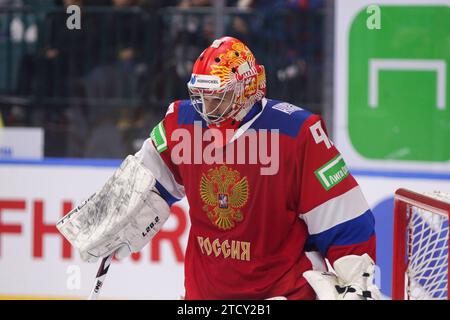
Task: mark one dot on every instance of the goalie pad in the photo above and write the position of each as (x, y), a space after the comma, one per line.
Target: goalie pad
(352, 280)
(122, 217)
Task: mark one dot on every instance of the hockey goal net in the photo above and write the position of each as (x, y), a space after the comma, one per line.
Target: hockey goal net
(421, 252)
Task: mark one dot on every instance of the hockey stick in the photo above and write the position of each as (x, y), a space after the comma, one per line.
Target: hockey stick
(101, 275)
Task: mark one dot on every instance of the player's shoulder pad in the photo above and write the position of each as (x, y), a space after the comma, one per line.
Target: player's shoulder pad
(182, 112)
(284, 116)
(178, 113)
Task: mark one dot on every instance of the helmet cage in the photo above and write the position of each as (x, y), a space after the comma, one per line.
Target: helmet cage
(198, 97)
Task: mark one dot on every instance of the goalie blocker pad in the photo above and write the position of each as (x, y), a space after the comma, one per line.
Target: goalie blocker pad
(125, 213)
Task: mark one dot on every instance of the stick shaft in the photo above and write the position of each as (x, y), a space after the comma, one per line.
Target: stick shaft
(100, 278)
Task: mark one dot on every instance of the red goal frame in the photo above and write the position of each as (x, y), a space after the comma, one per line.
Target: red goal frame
(404, 200)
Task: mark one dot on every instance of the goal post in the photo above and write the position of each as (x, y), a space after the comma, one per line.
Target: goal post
(420, 249)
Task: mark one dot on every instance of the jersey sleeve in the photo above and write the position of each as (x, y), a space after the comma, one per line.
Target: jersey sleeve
(331, 202)
(155, 155)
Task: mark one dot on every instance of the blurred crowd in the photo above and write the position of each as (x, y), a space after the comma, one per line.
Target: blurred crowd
(98, 91)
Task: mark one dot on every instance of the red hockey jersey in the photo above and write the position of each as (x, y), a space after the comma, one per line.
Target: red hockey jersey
(278, 189)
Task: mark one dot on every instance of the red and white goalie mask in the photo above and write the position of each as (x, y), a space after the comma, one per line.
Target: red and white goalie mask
(226, 81)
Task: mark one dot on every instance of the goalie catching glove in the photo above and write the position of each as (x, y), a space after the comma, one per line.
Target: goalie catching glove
(353, 280)
(122, 217)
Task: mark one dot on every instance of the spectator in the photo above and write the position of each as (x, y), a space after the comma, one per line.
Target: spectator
(53, 73)
(124, 53)
(67, 55)
(186, 34)
(122, 76)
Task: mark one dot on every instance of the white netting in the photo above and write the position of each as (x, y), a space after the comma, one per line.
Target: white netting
(427, 250)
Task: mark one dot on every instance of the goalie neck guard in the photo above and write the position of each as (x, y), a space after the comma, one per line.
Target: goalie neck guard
(227, 77)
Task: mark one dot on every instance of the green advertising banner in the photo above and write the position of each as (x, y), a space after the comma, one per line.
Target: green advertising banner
(398, 82)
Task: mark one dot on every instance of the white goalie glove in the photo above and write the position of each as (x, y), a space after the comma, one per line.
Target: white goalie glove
(353, 280)
(122, 217)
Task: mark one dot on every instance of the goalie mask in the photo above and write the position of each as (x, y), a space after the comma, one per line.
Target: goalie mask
(226, 81)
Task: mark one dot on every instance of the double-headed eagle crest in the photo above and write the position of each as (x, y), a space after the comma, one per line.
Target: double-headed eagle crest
(224, 192)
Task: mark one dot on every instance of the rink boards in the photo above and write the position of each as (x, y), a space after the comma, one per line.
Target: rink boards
(35, 262)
